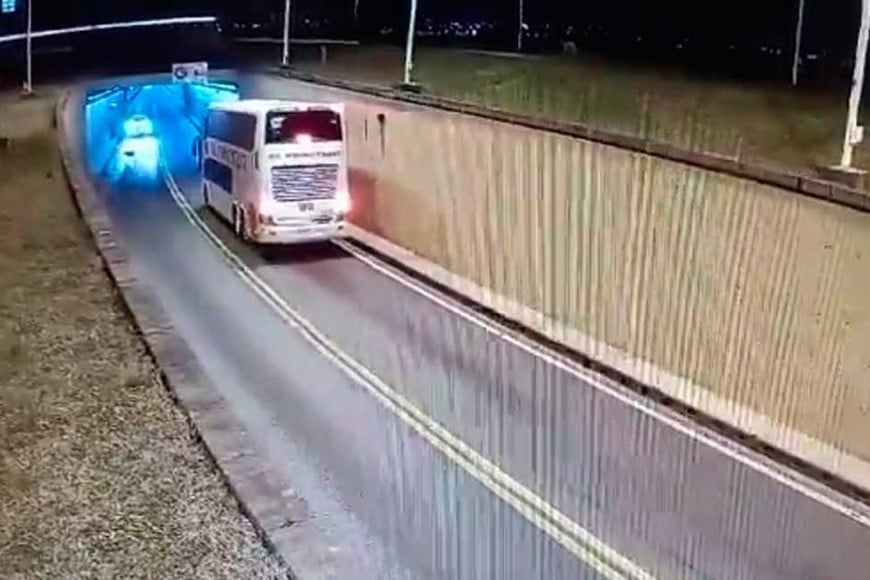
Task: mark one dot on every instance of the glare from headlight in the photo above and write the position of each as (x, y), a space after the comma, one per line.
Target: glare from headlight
(142, 153)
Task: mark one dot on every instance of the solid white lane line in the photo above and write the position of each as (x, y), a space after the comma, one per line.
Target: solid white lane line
(648, 407)
(593, 551)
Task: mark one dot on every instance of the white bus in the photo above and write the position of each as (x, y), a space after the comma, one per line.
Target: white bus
(276, 170)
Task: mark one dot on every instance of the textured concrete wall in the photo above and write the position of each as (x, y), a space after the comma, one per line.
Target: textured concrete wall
(760, 296)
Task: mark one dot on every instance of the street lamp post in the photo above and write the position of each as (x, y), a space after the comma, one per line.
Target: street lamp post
(409, 45)
(853, 132)
(520, 28)
(285, 51)
(28, 82)
(798, 34)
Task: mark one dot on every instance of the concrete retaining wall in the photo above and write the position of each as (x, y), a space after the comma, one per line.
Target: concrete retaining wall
(754, 294)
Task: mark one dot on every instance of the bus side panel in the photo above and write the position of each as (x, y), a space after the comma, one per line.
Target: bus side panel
(232, 139)
(219, 179)
(216, 176)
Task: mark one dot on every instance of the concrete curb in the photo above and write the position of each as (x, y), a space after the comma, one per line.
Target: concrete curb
(792, 182)
(264, 496)
(821, 465)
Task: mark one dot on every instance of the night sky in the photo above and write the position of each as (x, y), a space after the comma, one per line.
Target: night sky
(640, 26)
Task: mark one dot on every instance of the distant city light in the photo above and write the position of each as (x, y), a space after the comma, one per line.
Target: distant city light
(8, 6)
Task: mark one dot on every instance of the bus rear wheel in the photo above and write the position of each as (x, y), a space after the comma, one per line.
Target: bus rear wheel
(243, 225)
(234, 214)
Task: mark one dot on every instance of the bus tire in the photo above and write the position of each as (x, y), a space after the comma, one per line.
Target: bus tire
(243, 226)
(205, 200)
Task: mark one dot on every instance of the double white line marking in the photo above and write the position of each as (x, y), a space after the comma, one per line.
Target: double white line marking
(593, 551)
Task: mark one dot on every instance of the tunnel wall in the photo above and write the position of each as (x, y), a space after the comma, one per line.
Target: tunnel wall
(195, 104)
(745, 301)
(197, 98)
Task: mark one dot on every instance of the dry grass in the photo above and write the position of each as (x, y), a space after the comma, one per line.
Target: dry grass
(100, 475)
(755, 122)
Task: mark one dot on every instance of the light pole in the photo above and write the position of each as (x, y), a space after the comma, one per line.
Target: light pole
(28, 83)
(520, 28)
(285, 51)
(409, 46)
(853, 133)
(798, 34)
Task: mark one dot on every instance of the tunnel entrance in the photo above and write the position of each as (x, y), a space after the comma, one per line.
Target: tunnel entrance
(132, 132)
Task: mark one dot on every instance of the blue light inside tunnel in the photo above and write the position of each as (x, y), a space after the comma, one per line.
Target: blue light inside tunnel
(132, 131)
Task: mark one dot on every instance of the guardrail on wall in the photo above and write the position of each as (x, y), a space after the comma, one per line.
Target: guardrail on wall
(801, 184)
(314, 41)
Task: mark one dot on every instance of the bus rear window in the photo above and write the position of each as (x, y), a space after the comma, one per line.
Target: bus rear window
(303, 126)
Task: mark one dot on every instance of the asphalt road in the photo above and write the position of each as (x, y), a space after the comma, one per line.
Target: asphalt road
(395, 506)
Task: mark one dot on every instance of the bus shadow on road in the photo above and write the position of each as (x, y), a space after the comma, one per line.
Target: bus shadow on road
(299, 253)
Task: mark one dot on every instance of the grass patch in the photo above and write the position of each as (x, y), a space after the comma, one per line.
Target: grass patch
(100, 475)
(754, 122)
